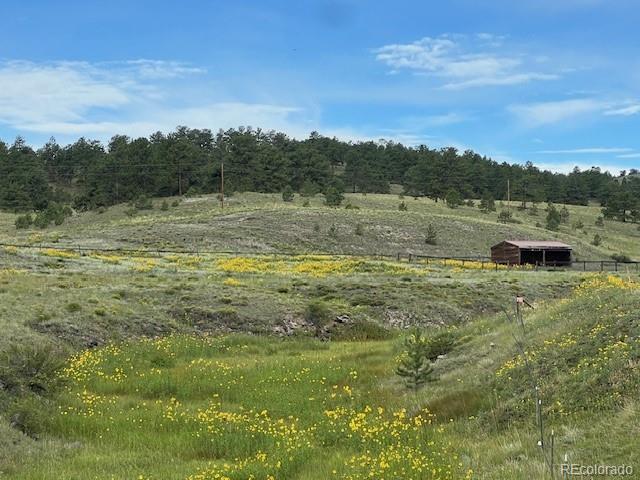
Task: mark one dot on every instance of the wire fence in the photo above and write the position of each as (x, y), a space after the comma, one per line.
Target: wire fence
(473, 261)
(486, 263)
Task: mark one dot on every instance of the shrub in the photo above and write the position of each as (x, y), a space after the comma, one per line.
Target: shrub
(333, 197)
(533, 210)
(73, 307)
(554, 218)
(600, 221)
(350, 206)
(41, 221)
(505, 216)
(453, 198)
(31, 367)
(317, 314)
(564, 214)
(621, 257)
(415, 367)
(316, 227)
(333, 231)
(175, 203)
(439, 344)
(306, 203)
(359, 230)
(578, 225)
(143, 203)
(402, 207)
(431, 235)
(164, 206)
(360, 331)
(597, 240)
(288, 194)
(470, 203)
(487, 203)
(24, 221)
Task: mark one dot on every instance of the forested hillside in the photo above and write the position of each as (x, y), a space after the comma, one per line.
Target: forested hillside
(88, 174)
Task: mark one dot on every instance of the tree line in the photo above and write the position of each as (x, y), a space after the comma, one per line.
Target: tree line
(88, 174)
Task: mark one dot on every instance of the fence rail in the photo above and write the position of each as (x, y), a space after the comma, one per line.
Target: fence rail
(485, 262)
(584, 265)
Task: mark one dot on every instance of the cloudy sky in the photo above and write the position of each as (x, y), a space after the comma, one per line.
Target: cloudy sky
(556, 82)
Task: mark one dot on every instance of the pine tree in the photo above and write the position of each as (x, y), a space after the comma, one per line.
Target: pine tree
(553, 218)
(287, 194)
(415, 367)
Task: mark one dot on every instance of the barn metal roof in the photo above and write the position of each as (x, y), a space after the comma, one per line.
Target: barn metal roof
(550, 244)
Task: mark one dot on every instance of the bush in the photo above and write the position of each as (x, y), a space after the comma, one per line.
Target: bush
(621, 257)
(505, 216)
(359, 230)
(306, 203)
(143, 203)
(578, 225)
(175, 203)
(533, 210)
(487, 203)
(333, 231)
(564, 214)
(431, 235)
(439, 344)
(597, 240)
(415, 367)
(164, 206)
(453, 199)
(288, 194)
(402, 207)
(24, 221)
(318, 314)
(470, 203)
(350, 206)
(360, 331)
(41, 221)
(333, 197)
(31, 367)
(73, 307)
(554, 218)
(599, 222)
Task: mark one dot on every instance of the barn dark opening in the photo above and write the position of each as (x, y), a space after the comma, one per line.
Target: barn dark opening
(548, 257)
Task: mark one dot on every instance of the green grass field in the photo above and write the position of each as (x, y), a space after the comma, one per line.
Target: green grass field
(139, 365)
(263, 223)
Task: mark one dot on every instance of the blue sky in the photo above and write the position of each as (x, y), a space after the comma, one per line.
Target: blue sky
(555, 82)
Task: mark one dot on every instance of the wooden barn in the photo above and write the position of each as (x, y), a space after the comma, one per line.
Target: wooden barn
(534, 252)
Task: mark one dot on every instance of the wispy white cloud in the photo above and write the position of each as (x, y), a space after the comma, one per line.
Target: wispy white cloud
(626, 111)
(135, 97)
(542, 113)
(537, 114)
(629, 155)
(572, 151)
(462, 61)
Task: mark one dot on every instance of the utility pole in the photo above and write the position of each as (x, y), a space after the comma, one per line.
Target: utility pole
(222, 184)
(508, 194)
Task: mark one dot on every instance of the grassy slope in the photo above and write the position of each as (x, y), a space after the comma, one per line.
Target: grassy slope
(86, 300)
(134, 428)
(263, 223)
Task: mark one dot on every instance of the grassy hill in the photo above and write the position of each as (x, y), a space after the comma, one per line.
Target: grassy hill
(264, 223)
(232, 407)
(137, 363)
